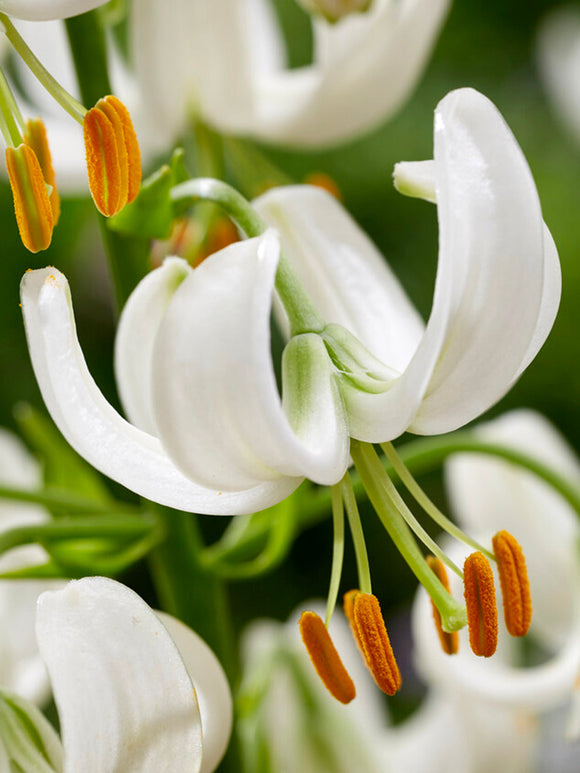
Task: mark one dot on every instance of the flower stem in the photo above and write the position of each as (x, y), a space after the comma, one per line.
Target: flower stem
(356, 530)
(301, 312)
(372, 475)
(59, 94)
(63, 500)
(12, 121)
(337, 551)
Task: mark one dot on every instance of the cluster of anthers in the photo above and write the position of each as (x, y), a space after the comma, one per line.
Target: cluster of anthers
(363, 610)
(112, 152)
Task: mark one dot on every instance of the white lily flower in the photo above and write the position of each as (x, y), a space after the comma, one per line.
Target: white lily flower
(21, 668)
(43, 10)
(304, 730)
(558, 53)
(135, 691)
(226, 61)
(193, 355)
(490, 494)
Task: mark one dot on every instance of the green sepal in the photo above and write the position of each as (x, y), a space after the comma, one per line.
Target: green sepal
(152, 213)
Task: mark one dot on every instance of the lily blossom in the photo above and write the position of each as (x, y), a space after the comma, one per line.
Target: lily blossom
(21, 668)
(135, 690)
(226, 60)
(302, 728)
(44, 10)
(209, 430)
(485, 493)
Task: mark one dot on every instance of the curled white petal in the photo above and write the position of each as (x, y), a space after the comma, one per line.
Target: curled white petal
(44, 10)
(211, 686)
(124, 697)
(91, 425)
(216, 404)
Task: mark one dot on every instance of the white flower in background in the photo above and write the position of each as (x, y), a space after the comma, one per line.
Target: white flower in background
(209, 432)
(226, 61)
(289, 717)
(558, 53)
(486, 495)
(136, 691)
(42, 10)
(21, 668)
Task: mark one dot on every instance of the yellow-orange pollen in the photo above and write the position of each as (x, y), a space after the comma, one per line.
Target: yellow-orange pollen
(364, 614)
(479, 592)
(449, 641)
(515, 586)
(325, 658)
(32, 206)
(35, 137)
(113, 156)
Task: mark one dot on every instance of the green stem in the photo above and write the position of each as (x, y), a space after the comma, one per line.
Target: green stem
(301, 312)
(428, 506)
(59, 94)
(337, 552)
(372, 475)
(356, 530)
(63, 499)
(12, 117)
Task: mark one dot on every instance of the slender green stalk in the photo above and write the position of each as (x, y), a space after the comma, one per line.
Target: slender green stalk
(63, 499)
(59, 94)
(11, 112)
(372, 473)
(360, 549)
(428, 506)
(337, 552)
(301, 312)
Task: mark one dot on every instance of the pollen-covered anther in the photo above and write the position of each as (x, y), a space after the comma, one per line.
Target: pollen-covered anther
(515, 586)
(32, 206)
(479, 592)
(35, 137)
(374, 642)
(113, 155)
(325, 658)
(449, 641)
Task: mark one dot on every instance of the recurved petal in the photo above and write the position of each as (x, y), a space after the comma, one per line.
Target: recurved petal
(91, 425)
(211, 686)
(44, 10)
(217, 408)
(365, 67)
(343, 272)
(136, 332)
(124, 697)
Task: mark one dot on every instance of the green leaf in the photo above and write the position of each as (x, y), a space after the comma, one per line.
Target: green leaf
(152, 213)
(63, 468)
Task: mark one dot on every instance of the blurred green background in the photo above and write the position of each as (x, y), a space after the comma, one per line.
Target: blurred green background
(489, 46)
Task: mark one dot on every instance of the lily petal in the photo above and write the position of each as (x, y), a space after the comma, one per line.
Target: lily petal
(343, 271)
(124, 696)
(136, 332)
(216, 404)
(365, 67)
(211, 686)
(496, 290)
(92, 426)
(43, 10)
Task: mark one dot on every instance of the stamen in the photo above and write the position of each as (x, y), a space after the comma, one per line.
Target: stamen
(449, 641)
(31, 203)
(325, 658)
(515, 586)
(348, 606)
(113, 156)
(324, 181)
(375, 644)
(479, 592)
(35, 137)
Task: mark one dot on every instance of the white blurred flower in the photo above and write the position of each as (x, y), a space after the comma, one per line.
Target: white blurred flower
(136, 691)
(490, 494)
(42, 10)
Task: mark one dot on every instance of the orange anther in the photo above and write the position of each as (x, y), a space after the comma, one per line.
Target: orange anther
(515, 586)
(325, 658)
(35, 137)
(324, 181)
(348, 605)
(31, 203)
(113, 156)
(449, 641)
(374, 641)
(479, 592)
